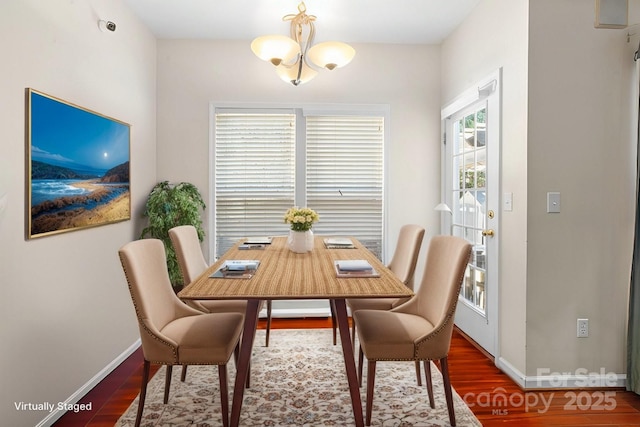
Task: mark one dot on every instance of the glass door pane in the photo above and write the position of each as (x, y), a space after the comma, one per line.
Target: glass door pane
(469, 200)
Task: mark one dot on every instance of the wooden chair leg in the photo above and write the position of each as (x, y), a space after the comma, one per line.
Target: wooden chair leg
(236, 354)
(353, 333)
(334, 323)
(183, 376)
(268, 322)
(224, 394)
(371, 373)
(418, 375)
(143, 391)
(427, 374)
(248, 383)
(444, 365)
(360, 362)
(167, 384)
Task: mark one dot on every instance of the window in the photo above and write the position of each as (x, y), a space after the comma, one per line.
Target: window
(254, 175)
(344, 176)
(267, 160)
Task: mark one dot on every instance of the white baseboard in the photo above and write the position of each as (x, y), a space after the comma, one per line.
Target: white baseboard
(294, 313)
(298, 308)
(579, 379)
(75, 397)
(518, 377)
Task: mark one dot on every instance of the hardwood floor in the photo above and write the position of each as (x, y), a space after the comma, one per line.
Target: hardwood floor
(486, 389)
(492, 396)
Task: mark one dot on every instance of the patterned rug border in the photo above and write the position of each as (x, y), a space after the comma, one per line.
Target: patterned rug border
(299, 380)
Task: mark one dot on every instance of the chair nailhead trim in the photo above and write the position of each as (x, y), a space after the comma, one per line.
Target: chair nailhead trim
(448, 318)
(173, 348)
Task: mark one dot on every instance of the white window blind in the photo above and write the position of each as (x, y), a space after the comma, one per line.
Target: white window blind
(257, 159)
(254, 175)
(345, 169)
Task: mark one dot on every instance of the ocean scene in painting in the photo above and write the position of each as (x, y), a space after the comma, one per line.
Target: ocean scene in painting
(79, 167)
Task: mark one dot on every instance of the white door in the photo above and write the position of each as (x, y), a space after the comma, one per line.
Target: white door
(471, 177)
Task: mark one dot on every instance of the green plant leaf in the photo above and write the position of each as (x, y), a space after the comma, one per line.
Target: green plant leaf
(169, 206)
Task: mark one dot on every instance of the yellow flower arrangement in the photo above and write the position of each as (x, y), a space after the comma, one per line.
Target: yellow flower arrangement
(301, 219)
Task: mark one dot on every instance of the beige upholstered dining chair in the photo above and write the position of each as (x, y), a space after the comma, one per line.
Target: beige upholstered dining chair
(403, 265)
(420, 329)
(171, 332)
(192, 263)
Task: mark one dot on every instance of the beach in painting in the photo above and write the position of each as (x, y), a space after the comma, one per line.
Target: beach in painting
(64, 204)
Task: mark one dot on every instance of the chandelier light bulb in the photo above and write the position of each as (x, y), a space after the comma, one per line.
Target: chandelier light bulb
(290, 74)
(276, 49)
(331, 55)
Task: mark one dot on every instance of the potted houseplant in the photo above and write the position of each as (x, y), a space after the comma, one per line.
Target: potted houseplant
(169, 206)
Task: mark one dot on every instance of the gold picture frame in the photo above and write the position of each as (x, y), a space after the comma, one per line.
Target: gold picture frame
(78, 167)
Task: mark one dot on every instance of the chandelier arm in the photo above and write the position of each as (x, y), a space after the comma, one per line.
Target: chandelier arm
(310, 39)
(293, 63)
(296, 82)
(290, 17)
(298, 22)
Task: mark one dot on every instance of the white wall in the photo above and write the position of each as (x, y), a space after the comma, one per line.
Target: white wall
(567, 126)
(579, 144)
(191, 74)
(495, 36)
(65, 311)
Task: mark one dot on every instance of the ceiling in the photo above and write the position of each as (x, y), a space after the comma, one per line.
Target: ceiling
(351, 21)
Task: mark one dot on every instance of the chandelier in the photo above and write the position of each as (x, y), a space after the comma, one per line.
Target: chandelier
(295, 57)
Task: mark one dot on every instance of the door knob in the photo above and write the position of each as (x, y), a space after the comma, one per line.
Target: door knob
(488, 232)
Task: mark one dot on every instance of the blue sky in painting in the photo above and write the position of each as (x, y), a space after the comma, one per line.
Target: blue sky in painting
(68, 136)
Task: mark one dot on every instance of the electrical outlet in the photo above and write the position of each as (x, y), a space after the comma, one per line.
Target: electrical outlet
(583, 328)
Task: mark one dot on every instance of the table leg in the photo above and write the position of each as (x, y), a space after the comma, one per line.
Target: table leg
(242, 369)
(349, 360)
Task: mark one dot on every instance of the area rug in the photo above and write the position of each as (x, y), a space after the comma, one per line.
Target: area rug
(299, 380)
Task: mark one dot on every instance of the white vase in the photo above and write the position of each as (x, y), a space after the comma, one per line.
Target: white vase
(310, 242)
(300, 241)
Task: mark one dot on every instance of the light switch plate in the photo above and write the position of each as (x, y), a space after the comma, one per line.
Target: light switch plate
(508, 202)
(553, 202)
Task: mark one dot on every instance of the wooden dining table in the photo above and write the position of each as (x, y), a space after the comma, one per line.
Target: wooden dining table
(286, 275)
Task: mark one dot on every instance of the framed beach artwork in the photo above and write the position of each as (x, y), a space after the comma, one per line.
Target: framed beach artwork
(77, 167)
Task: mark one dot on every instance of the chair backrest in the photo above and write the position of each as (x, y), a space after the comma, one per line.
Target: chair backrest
(188, 252)
(156, 304)
(437, 297)
(404, 260)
